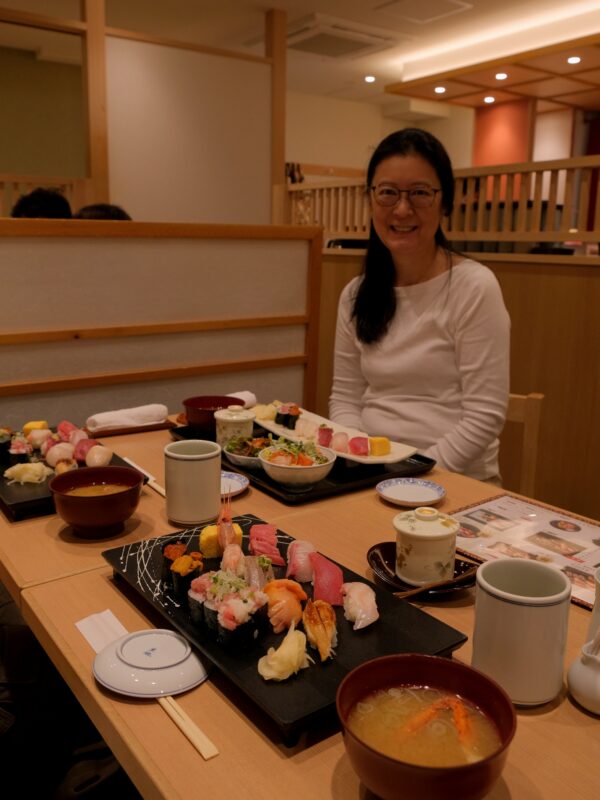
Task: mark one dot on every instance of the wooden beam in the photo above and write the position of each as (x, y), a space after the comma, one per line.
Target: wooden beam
(94, 63)
(275, 47)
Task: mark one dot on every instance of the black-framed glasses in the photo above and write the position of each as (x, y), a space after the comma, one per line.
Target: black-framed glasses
(420, 197)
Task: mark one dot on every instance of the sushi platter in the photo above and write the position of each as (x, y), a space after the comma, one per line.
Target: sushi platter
(398, 451)
(296, 703)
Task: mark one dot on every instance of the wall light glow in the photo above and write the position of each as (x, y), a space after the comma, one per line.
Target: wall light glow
(439, 89)
(501, 76)
(489, 99)
(573, 60)
(370, 78)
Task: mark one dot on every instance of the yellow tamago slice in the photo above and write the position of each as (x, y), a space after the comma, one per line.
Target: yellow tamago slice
(40, 424)
(379, 446)
(209, 540)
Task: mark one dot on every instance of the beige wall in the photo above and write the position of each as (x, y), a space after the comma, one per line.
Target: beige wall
(42, 130)
(189, 135)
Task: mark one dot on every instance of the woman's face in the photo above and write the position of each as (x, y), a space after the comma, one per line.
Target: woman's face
(404, 230)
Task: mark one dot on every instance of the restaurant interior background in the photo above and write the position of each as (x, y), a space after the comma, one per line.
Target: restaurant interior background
(187, 112)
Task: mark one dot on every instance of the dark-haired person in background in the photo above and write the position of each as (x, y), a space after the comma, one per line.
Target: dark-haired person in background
(101, 211)
(422, 339)
(42, 204)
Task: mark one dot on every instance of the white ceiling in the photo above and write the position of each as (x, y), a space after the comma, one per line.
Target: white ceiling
(424, 36)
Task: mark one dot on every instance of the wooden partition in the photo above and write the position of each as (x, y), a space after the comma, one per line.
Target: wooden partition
(553, 303)
(105, 315)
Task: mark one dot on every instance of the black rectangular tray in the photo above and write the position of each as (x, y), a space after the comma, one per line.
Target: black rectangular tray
(24, 501)
(301, 700)
(346, 475)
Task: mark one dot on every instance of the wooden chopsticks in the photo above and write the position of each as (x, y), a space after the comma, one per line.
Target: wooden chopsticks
(189, 728)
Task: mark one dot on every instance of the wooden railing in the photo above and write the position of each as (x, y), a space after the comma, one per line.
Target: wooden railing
(13, 186)
(545, 201)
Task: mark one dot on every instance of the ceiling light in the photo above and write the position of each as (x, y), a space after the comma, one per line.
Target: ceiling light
(573, 60)
(439, 89)
(369, 78)
(489, 99)
(501, 76)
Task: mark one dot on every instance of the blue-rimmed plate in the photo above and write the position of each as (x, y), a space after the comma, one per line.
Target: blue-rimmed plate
(410, 492)
(232, 483)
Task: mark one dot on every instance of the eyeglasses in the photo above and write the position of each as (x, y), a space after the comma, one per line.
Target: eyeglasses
(386, 195)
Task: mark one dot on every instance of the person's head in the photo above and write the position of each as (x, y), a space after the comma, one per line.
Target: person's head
(42, 204)
(101, 211)
(412, 159)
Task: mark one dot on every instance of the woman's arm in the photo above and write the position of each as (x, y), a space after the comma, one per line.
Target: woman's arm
(345, 402)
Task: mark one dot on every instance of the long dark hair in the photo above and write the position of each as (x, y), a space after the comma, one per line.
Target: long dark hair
(375, 302)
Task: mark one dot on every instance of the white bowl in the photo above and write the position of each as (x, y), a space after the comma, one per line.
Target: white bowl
(297, 478)
(248, 462)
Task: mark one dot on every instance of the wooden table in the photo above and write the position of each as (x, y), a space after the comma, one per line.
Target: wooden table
(555, 754)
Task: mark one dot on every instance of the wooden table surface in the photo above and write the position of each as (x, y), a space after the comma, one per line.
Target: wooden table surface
(555, 754)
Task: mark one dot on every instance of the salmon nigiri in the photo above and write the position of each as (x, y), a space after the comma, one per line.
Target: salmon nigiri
(284, 602)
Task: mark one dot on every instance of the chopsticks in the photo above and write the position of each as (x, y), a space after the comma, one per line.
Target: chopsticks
(152, 483)
(438, 584)
(189, 728)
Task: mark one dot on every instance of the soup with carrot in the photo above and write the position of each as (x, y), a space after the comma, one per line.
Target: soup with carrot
(97, 489)
(424, 726)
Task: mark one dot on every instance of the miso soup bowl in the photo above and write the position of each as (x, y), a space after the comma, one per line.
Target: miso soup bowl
(200, 413)
(99, 516)
(392, 779)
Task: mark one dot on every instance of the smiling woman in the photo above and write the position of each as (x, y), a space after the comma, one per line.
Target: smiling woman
(422, 338)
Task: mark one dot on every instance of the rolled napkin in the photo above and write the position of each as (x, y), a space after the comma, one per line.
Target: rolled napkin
(248, 398)
(137, 417)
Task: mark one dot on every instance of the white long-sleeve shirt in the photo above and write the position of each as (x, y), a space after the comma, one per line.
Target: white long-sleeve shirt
(439, 378)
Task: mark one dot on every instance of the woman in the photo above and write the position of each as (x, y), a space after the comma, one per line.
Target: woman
(422, 339)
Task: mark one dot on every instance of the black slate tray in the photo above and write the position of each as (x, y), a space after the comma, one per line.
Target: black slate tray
(303, 699)
(346, 475)
(24, 501)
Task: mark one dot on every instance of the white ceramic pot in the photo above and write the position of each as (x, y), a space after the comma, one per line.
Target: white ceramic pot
(425, 546)
(584, 679)
(233, 421)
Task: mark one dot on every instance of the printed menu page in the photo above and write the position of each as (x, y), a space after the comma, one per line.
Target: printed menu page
(507, 527)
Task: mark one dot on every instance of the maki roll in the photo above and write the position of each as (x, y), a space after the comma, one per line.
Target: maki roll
(293, 417)
(282, 415)
(5, 437)
(171, 551)
(183, 570)
(234, 613)
(197, 595)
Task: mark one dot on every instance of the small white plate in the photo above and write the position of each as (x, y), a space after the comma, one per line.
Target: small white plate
(150, 663)
(411, 492)
(233, 483)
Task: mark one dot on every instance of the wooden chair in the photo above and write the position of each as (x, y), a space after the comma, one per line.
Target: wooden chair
(525, 409)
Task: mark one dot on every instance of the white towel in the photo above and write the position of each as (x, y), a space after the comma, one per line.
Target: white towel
(248, 398)
(128, 418)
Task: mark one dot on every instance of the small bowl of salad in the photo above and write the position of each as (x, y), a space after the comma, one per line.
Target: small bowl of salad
(297, 465)
(244, 450)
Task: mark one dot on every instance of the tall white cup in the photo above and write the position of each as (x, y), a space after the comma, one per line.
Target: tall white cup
(521, 614)
(192, 481)
(595, 618)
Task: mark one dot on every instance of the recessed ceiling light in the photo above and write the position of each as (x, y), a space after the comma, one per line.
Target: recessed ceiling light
(573, 60)
(369, 78)
(489, 99)
(501, 76)
(439, 89)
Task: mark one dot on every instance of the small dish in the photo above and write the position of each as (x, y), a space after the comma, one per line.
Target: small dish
(410, 492)
(232, 483)
(247, 462)
(382, 559)
(150, 663)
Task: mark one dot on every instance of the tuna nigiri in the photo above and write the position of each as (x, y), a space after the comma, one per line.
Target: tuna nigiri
(263, 542)
(284, 603)
(327, 581)
(360, 606)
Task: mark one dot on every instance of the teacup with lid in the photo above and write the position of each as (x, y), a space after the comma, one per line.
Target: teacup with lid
(425, 546)
(235, 420)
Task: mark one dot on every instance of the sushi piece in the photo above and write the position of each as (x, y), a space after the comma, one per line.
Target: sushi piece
(292, 417)
(170, 552)
(35, 425)
(299, 566)
(263, 542)
(197, 595)
(285, 661)
(360, 605)
(258, 571)
(183, 570)
(98, 456)
(65, 466)
(64, 429)
(379, 446)
(241, 618)
(209, 540)
(359, 446)
(284, 603)
(282, 415)
(324, 435)
(339, 442)
(37, 436)
(320, 625)
(234, 560)
(327, 580)
(63, 451)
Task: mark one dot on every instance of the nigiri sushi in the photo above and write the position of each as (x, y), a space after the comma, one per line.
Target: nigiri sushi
(359, 445)
(339, 442)
(360, 605)
(63, 451)
(299, 566)
(233, 560)
(98, 456)
(327, 580)
(320, 625)
(284, 603)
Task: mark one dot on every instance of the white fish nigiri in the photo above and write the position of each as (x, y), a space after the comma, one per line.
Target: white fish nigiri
(98, 456)
(299, 566)
(63, 451)
(360, 606)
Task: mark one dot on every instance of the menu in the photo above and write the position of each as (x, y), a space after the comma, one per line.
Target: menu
(507, 527)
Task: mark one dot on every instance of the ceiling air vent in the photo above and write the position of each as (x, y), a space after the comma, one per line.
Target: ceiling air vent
(327, 36)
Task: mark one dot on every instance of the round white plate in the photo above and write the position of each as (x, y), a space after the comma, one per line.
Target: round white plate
(150, 663)
(233, 483)
(411, 492)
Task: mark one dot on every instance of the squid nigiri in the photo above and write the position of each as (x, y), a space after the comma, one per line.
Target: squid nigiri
(299, 565)
(284, 603)
(360, 606)
(98, 456)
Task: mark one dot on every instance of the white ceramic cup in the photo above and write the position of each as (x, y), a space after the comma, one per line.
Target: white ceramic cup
(192, 481)
(521, 614)
(595, 618)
